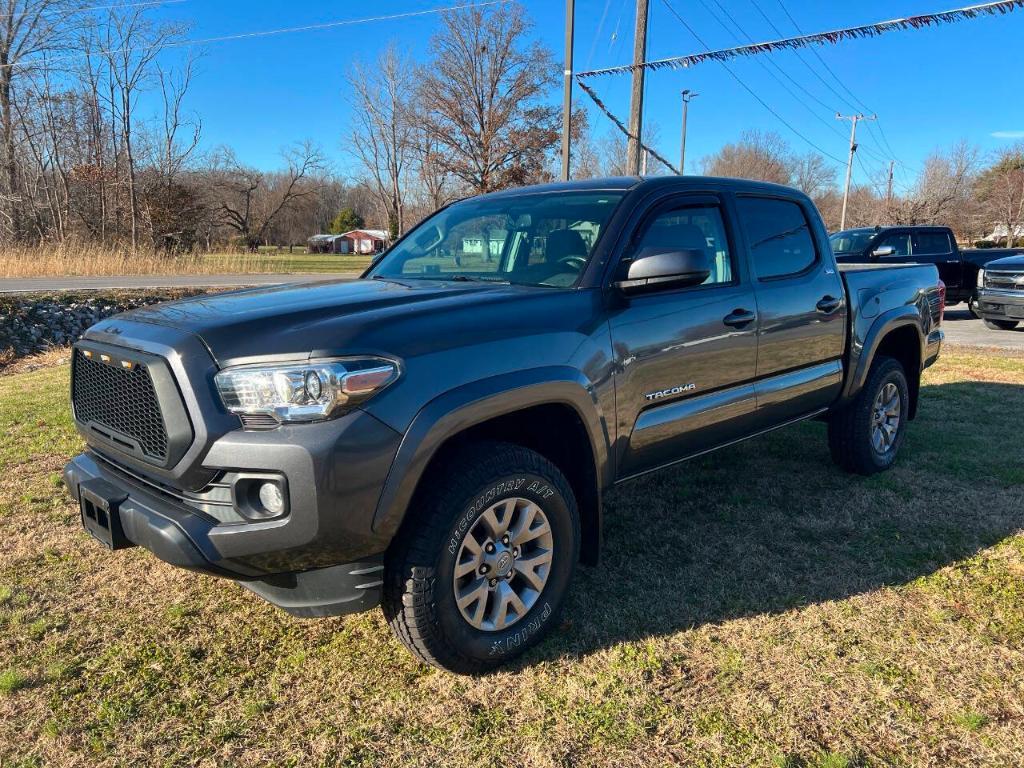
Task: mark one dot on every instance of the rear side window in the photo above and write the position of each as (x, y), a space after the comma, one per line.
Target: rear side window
(778, 235)
(931, 243)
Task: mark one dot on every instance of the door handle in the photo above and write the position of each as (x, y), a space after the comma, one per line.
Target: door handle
(829, 304)
(739, 318)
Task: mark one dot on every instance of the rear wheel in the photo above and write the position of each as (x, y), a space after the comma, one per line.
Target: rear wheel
(480, 573)
(865, 436)
(1001, 325)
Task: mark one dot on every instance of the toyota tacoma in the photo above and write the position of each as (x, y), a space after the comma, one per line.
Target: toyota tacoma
(435, 437)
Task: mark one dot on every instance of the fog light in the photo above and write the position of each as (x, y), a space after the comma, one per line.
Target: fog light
(271, 498)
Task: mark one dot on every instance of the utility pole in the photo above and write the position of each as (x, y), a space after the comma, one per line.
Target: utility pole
(888, 189)
(849, 164)
(687, 95)
(636, 100)
(570, 24)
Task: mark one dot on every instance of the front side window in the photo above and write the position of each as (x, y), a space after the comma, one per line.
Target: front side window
(901, 244)
(931, 243)
(851, 241)
(778, 235)
(697, 228)
(542, 239)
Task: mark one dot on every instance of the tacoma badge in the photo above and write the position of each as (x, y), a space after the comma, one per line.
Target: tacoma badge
(669, 392)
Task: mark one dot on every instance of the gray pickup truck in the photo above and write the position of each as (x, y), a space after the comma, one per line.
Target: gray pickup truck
(1001, 297)
(435, 437)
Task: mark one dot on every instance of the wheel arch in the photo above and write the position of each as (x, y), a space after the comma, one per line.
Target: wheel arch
(527, 409)
(895, 334)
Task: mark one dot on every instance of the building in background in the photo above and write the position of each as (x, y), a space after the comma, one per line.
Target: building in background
(361, 241)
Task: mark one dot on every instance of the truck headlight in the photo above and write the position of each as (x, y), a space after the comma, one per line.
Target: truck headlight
(981, 278)
(305, 391)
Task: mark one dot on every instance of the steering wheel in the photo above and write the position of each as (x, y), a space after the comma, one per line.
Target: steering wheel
(576, 262)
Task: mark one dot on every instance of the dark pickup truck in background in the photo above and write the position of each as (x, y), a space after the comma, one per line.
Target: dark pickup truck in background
(436, 436)
(958, 269)
(1001, 300)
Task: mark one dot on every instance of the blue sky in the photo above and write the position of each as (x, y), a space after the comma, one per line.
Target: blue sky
(929, 87)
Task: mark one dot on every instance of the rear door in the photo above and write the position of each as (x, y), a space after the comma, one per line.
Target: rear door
(685, 357)
(801, 303)
(934, 246)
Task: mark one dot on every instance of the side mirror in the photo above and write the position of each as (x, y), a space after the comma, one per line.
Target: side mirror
(883, 251)
(654, 269)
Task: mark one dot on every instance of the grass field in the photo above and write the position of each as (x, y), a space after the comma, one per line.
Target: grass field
(755, 607)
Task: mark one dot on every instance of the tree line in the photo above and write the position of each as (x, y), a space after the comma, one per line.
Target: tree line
(80, 161)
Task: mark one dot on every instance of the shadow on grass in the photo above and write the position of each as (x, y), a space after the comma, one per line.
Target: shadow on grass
(772, 524)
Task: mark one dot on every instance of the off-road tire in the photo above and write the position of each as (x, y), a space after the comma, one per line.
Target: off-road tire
(419, 601)
(1001, 325)
(850, 427)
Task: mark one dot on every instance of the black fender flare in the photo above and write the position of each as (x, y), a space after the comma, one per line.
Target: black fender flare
(477, 402)
(862, 353)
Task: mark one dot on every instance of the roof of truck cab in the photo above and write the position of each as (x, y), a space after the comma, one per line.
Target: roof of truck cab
(630, 183)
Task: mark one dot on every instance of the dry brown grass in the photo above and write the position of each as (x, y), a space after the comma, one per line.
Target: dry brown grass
(755, 607)
(50, 358)
(71, 260)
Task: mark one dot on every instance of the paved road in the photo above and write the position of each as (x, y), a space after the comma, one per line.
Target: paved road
(158, 281)
(963, 330)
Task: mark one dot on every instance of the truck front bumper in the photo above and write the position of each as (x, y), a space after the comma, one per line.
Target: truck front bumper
(994, 304)
(321, 557)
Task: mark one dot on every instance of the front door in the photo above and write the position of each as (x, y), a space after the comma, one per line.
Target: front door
(801, 302)
(685, 357)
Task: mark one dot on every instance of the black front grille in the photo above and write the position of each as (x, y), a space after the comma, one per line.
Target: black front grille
(121, 399)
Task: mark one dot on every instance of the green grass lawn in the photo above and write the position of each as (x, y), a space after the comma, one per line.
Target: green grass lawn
(754, 607)
(273, 260)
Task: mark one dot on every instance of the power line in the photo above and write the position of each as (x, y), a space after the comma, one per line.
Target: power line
(750, 90)
(271, 32)
(819, 38)
(597, 33)
(859, 103)
(829, 125)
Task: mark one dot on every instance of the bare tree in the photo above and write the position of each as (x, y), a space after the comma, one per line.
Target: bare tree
(250, 201)
(383, 134)
(485, 90)
(812, 175)
(764, 156)
(1000, 191)
(132, 45)
(29, 29)
(946, 182)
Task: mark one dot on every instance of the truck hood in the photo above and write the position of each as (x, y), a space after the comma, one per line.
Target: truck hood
(1008, 262)
(357, 317)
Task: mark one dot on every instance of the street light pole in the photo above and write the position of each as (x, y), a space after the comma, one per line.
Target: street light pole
(570, 23)
(687, 95)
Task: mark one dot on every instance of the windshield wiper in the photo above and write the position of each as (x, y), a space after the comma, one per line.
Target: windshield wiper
(476, 279)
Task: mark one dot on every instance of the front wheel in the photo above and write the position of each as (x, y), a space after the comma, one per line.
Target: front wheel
(1001, 325)
(479, 573)
(865, 435)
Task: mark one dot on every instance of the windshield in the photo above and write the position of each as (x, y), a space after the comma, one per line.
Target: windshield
(851, 241)
(531, 239)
